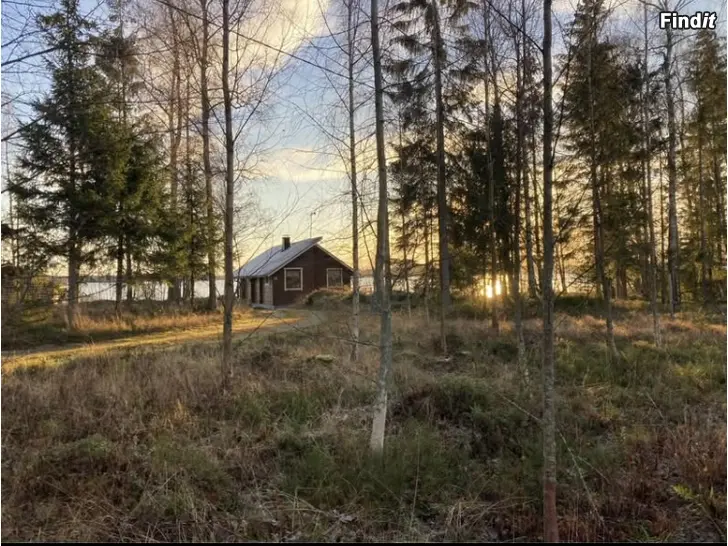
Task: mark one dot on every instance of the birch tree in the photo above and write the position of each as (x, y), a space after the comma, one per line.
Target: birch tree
(551, 532)
(376, 442)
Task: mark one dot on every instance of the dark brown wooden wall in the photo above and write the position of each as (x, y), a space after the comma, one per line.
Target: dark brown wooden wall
(314, 263)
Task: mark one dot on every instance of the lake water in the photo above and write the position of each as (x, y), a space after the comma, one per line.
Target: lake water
(99, 291)
(96, 291)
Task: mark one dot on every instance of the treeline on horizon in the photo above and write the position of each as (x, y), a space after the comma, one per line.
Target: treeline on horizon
(122, 167)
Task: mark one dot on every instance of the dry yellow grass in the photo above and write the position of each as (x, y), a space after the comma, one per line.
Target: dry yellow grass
(173, 332)
(141, 444)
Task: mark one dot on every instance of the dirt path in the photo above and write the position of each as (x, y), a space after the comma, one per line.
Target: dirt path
(256, 325)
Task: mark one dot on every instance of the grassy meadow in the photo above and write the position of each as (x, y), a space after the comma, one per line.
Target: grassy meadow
(134, 443)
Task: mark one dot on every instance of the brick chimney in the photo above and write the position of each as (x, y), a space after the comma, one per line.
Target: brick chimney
(286, 243)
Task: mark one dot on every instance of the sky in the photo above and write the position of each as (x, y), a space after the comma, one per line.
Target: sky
(299, 182)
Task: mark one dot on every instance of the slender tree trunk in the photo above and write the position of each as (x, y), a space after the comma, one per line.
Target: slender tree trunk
(175, 136)
(74, 266)
(351, 35)
(192, 289)
(188, 190)
(719, 192)
(406, 264)
(693, 214)
(442, 211)
(193, 245)
(489, 71)
(530, 264)
(205, 133)
(520, 177)
(376, 296)
(74, 245)
(536, 207)
(673, 240)
(701, 214)
(551, 530)
(426, 288)
(227, 332)
(559, 249)
(119, 271)
(11, 218)
(129, 276)
(646, 157)
(602, 277)
(493, 240)
(530, 261)
(122, 114)
(385, 337)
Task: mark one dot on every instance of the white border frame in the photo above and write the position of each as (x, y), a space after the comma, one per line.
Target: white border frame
(285, 283)
(341, 269)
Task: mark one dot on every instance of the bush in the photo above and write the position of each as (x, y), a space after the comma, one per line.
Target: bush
(29, 299)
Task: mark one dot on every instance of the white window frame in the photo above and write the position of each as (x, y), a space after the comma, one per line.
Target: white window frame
(285, 279)
(340, 269)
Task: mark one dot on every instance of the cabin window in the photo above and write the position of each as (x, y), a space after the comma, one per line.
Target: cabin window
(293, 278)
(334, 277)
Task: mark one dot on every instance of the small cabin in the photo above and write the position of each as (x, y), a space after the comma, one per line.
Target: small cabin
(286, 273)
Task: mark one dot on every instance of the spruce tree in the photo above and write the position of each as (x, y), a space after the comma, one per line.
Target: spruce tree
(61, 198)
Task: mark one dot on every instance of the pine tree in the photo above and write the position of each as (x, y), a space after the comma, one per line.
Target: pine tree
(116, 57)
(419, 31)
(602, 110)
(707, 127)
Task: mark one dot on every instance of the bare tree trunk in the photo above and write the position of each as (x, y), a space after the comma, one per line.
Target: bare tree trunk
(701, 214)
(530, 264)
(385, 337)
(129, 277)
(426, 288)
(551, 530)
(602, 277)
(530, 259)
(559, 249)
(205, 133)
(442, 212)
(406, 264)
(227, 332)
(536, 207)
(122, 115)
(74, 250)
(689, 190)
(673, 241)
(188, 188)
(351, 36)
(488, 69)
(74, 266)
(663, 265)
(719, 192)
(648, 184)
(520, 177)
(175, 133)
(119, 272)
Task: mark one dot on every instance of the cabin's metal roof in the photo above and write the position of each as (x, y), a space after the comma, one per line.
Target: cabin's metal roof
(274, 258)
